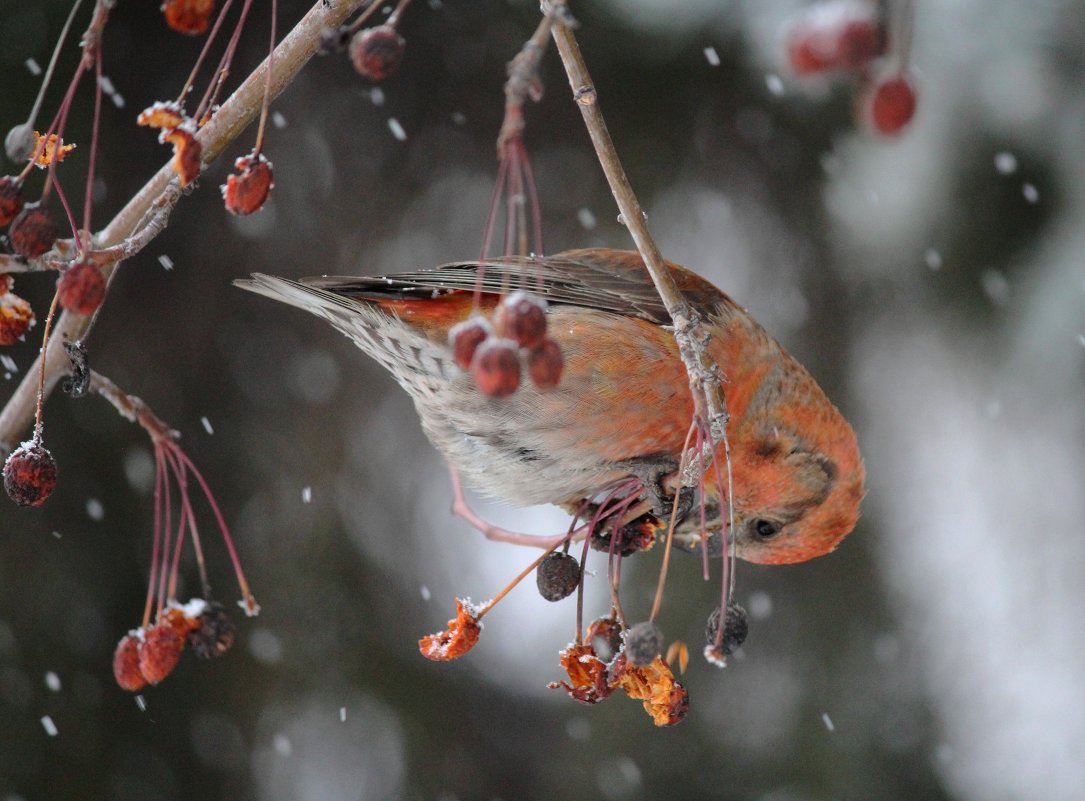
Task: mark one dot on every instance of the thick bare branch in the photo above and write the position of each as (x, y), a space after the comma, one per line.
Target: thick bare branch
(231, 119)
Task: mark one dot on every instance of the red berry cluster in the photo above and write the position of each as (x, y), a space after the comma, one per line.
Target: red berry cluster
(492, 352)
(148, 654)
(851, 36)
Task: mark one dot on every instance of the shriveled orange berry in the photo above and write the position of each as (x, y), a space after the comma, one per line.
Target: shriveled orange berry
(126, 664)
(33, 231)
(187, 152)
(452, 643)
(30, 474)
(246, 192)
(521, 317)
(589, 681)
(465, 337)
(665, 699)
(16, 317)
(188, 16)
(160, 651)
(545, 363)
(81, 288)
(165, 114)
(50, 149)
(496, 367)
(11, 198)
(376, 52)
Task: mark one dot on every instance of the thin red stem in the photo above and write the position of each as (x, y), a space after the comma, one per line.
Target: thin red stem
(159, 511)
(248, 601)
(92, 160)
(204, 51)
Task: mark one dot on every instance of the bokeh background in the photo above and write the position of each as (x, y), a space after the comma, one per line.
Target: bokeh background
(934, 284)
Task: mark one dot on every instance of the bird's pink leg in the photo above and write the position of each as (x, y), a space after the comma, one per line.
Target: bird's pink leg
(496, 533)
(461, 509)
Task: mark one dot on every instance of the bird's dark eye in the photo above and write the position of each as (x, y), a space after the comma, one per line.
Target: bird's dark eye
(765, 529)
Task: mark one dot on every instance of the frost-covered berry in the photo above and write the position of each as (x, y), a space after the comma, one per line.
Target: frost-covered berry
(643, 642)
(11, 198)
(33, 232)
(247, 191)
(126, 664)
(735, 628)
(376, 52)
(16, 317)
(160, 651)
(81, 288)
(890, 104)
(465, 337)
(30, 474)
(557, 576)
(214, 632)
(188, 16)
(496, 367)
(544, 364)
(19, 142)
(521, 317)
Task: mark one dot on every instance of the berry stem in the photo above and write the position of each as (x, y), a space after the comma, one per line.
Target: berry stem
(658, 600)
(161, 518)
(45, 81)
(204, 51)
(266, 103)
(92, 160)
(41, 373)
(512, 584)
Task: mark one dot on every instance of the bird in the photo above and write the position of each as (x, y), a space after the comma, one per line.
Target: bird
(622, 407)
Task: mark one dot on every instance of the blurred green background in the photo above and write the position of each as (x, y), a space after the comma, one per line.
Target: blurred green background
(934, 284)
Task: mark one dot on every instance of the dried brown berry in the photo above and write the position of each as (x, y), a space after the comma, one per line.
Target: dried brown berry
(643, 642)
(81, 288)
(126, 664)
(557, 576)
(522, 318)
(465, 337)
(16, 318)
(247, 191)
(214, 634)
(376, 52)
(160, 651)
(605, 637)
(11, 198)
(735, 629)
(30, 474)
(544, 364)
(188, 16)
(496, 367)
(33, 231)
(890, 105)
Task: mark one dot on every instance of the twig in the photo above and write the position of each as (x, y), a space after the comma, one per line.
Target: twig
(227, 124)
(689, 332)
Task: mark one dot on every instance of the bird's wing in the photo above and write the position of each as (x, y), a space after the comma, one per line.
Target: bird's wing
(609, 280)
